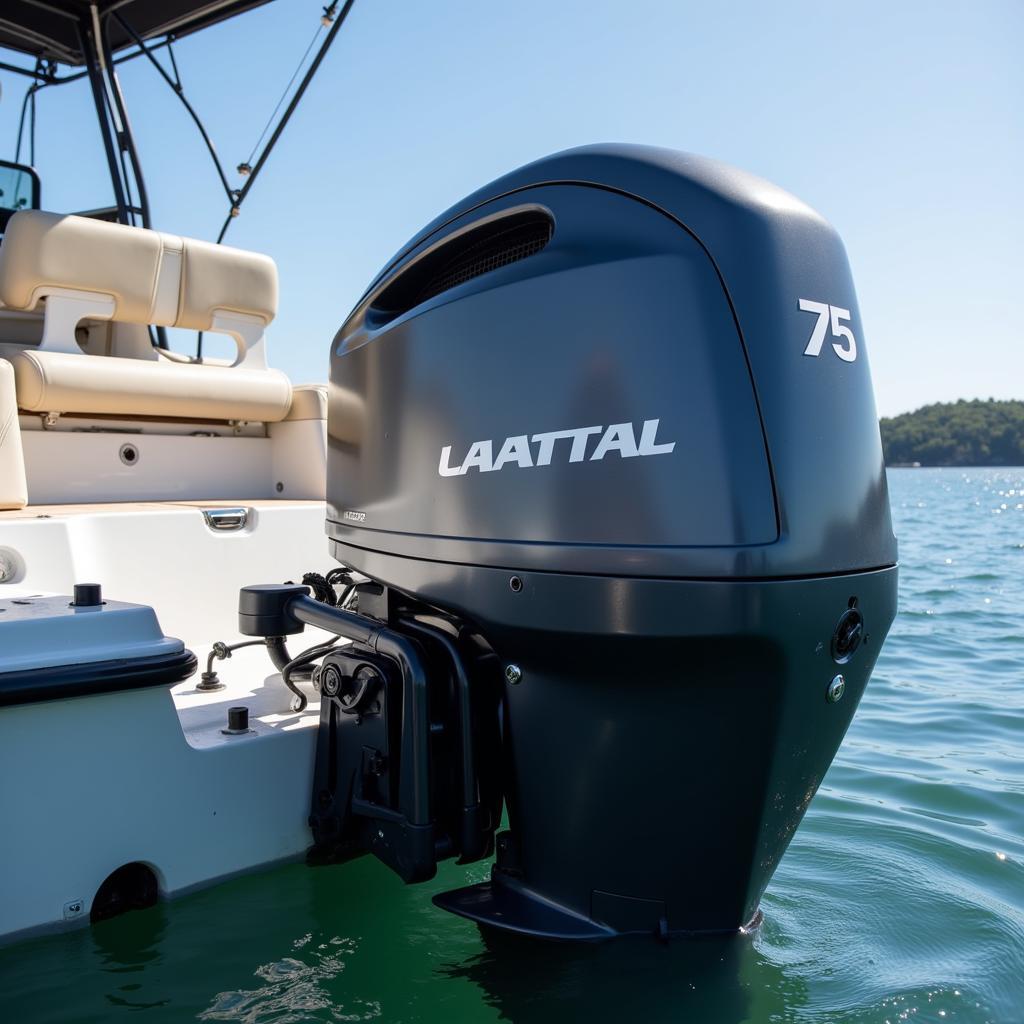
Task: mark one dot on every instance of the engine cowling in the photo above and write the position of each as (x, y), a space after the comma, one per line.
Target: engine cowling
(613, 413)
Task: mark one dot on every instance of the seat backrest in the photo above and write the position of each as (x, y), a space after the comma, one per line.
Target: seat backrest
(82, 268)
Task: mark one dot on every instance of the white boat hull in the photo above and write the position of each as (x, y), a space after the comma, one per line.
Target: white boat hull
(92, 783)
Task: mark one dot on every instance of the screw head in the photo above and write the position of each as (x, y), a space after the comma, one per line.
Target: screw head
(331, 681)
(513, 673)
(836, 689)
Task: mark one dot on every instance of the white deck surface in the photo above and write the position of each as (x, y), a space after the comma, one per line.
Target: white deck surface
(250, 680)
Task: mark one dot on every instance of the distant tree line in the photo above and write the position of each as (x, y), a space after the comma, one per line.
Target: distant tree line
(975, 433)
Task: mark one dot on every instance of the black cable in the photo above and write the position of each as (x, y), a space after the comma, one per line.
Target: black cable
(209, 679)
(221, 650)
(307, 656)
(178, 91)
(29, 98)
(32, 130)
(342, 576)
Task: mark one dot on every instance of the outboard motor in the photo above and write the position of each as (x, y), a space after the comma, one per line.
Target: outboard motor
(603, 436)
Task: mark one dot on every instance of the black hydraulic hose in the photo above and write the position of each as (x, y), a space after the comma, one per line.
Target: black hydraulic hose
(280, 657)
(278, 652)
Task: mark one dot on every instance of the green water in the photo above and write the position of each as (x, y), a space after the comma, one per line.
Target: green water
(901, 897)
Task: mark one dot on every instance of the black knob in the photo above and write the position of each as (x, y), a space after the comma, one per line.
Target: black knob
(87, 595)
(238, 719)
(848, 635)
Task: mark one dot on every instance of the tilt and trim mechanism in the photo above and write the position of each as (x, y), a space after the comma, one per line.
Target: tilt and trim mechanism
(602, 440)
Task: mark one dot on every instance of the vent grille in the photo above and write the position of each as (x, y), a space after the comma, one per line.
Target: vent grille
(509, 245)
(491, 246)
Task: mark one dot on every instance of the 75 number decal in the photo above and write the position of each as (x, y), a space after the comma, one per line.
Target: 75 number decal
(830, 317)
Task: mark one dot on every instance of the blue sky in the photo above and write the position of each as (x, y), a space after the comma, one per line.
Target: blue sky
(901, 122)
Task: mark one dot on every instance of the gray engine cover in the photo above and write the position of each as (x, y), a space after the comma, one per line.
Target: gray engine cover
(660, 331)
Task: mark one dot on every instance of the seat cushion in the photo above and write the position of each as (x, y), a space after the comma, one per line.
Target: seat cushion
(108, 385)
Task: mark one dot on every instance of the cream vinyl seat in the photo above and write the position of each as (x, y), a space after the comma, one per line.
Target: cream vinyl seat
(77, 268)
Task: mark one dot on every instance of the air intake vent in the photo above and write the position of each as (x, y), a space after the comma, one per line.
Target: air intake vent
(510, 243)
(495, 244)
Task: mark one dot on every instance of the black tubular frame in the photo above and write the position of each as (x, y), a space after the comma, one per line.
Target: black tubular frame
(176, 86)
(47, 75)
(97, 85)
